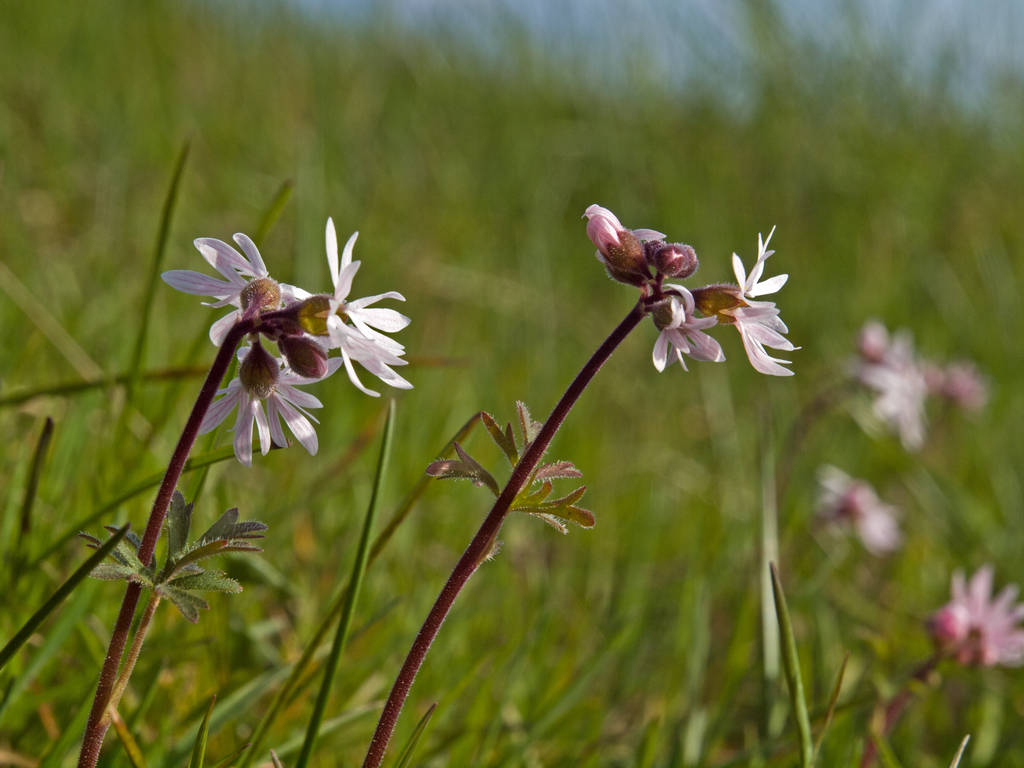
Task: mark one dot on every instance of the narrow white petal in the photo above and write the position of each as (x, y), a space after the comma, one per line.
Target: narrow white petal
(660, 353)
(300, 427)
(331, 241)
(243, 431)
(297, 396)
(388, 320)
(198, 284)
(351, 371)
(257, 268)
(343, 284)
(346, 254)
(274, 418)
(221, 327)
(218, 411)
(222, 257)
(263, 425)
(739, 271)
(771, 285)
(368, 300)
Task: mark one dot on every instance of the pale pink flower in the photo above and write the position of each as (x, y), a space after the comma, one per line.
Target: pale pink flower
(974, 628)
(890, 369)
(961, 384)
(681, 333)
(276, 385)
(842, 498)
(758, 322)
(240, 271)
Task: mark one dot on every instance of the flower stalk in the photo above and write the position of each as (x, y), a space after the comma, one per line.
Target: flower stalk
(482, 542)
(98, 724)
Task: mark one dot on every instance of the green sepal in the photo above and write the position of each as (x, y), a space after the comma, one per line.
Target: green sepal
(207, 581)
(179, 521)
(111, 572)
(556, 470)
(466, 468)
(188, 604)
(529, 428)
(503, 439)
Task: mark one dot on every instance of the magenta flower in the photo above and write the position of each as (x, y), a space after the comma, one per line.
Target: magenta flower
(842, 498)
(975, 629)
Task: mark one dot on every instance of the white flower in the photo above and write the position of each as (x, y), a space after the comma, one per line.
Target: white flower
(842, 497)
(240, 272)
(364, 341)
(758, 322)
(889, 368)
(682, 333)
(276, 385)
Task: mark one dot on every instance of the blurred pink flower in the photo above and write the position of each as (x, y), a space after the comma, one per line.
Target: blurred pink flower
(844, 498)
(975, 629)
(888, 367)
(960, 383)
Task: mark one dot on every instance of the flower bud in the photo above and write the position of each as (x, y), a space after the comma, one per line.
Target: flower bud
(713, 300)
(619, 249)
(873, 341)
(305, 357)
(263, 292)
(671, 259)
(259, 371)
(312, 315)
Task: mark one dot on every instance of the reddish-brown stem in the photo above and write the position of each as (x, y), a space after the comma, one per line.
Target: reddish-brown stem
(97, 725)
(484, 538)
(897, 706)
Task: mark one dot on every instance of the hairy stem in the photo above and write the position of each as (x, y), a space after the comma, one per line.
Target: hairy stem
(897, 706)
(481, 544)
(97, 725)
(121, 684)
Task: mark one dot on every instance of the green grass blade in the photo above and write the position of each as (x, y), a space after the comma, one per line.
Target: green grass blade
(57, 597)
(298, 672)
(33, 481)
(159, 250)
(199, 750)
(832, 701)
(273, 211)
(102, 382)
(960, 752)
(131, 746)
(194, 463)
(410, 746)
(791, 666)
(352, 593)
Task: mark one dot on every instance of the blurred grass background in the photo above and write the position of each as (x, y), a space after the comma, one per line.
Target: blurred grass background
(466, 170)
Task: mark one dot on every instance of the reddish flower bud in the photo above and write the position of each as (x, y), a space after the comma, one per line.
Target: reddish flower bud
(304, 356)
(259, 371)
(620, 250)
(671, 259)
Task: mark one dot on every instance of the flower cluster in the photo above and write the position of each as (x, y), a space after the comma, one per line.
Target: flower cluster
(641, 257)
(976, 629)
(844, 499)
(305, 327)
(901, 382)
